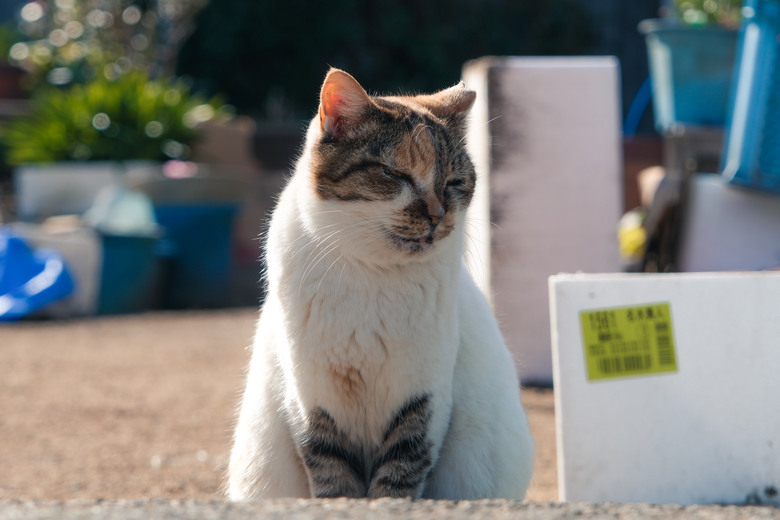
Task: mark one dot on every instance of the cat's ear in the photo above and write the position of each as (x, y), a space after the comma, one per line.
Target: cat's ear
(342, 103)
(452, 103)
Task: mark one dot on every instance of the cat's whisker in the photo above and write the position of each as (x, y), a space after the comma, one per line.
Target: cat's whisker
(317, 240)
(485, 124)
(325, 274)
(473, 262)
(326, 246)
(321, 254)
(499, 116)
(341, 273)
(477, 220)
(311, 263)
(419, 128)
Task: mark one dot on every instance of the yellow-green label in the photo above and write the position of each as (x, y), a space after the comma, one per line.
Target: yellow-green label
(628, 341)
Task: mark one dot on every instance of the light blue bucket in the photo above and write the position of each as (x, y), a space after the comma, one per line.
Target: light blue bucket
(691, 72)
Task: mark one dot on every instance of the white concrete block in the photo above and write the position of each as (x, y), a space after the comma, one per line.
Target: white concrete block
(545, 138)
(707, 431)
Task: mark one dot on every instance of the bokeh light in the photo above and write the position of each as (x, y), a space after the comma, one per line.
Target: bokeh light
(171, 97)
(74, 29)
(19, 51)
(59, 76)
(131, 15)
(197, 115)
(32, 12)
(139, 42)
(65, 4)
(101, 121)
(175, 149)
(154, 129)
(58, 37)
(98, 18)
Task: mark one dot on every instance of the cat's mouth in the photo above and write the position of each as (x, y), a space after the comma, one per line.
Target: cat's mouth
(413, 244)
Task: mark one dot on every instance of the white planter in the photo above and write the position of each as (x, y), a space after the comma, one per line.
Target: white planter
(45, 190)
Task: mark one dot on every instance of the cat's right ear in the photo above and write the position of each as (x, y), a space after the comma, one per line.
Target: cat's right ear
(342, 103)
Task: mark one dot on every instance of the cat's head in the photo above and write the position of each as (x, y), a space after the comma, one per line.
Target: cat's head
(390, 171)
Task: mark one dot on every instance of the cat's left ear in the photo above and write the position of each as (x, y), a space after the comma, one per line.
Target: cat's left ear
(452, 103)
(342, 103)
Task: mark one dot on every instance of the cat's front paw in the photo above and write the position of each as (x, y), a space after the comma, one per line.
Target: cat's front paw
(333, 463)
(405, 457)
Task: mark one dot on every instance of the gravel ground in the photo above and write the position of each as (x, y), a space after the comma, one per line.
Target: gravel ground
(142, 405)
(389, 509)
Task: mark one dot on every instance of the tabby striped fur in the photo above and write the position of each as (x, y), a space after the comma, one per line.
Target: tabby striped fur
(398, 467)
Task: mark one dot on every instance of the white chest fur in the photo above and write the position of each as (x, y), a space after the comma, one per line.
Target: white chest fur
(358, 339)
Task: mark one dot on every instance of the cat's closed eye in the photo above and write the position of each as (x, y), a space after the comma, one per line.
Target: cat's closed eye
(396, 175)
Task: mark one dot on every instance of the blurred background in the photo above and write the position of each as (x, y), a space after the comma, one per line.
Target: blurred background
(136, 131)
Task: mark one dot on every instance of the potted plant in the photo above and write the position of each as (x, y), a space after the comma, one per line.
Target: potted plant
(691, 59)
(77, 140)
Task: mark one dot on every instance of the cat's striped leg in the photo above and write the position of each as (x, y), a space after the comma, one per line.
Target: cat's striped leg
(405, 456)
(333, 463)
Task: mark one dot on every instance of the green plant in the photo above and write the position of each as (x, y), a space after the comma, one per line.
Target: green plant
(725, 13)
(129, 117)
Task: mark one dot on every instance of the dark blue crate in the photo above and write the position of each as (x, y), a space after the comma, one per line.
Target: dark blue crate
(200, 255)
(752, 148)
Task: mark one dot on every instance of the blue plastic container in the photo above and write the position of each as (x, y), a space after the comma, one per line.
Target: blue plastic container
(691, 71)
(752, 147)
(200, 253)
(29, 280)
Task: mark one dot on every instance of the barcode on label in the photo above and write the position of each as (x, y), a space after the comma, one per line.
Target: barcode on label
(614, 365)
(628, 341)
(664, 342)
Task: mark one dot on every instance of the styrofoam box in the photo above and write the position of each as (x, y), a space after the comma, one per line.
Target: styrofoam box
(728, 228)
(708, 432)
(545, 137)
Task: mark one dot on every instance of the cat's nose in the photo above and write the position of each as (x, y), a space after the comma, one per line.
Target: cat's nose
(435, 211)
(433, 206)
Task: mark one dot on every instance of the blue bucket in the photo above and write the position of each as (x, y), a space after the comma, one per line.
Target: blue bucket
(129, 278)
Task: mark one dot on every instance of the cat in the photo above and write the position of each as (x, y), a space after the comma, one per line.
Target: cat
(378, 369)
